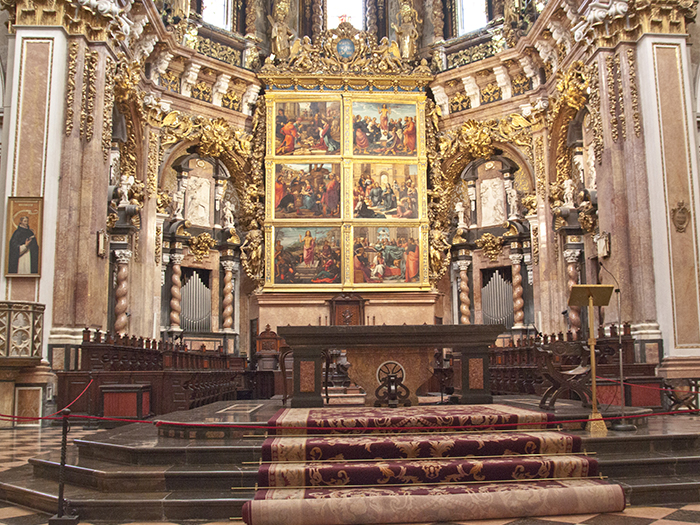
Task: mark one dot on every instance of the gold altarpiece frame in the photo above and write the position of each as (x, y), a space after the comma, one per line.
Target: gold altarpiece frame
(346, 209)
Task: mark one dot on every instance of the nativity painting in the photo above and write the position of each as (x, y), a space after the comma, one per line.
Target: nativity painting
(307, 128)
(385, 191)
(307, 191)
(384, 254)
(382, 128)
(307, 255)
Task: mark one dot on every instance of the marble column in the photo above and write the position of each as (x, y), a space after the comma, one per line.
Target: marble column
(516, 260)
(572, 275)
(227, 301)
(175, 291)
(121, 319)
(464, 302)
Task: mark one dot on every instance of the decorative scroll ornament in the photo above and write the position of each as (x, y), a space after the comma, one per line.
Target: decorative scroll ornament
(201, 245)
(491, 245)
(345, 57)
(530, 203)
(70, 85)
(163, 202)
(680, 216)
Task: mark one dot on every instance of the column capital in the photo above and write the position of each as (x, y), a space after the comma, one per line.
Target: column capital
(229, 266)
(123, 256)
(177, 258)
(463, 265)
(516, 258)
(572, 256)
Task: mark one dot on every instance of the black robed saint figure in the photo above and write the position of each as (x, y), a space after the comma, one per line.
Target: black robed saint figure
(24, 250)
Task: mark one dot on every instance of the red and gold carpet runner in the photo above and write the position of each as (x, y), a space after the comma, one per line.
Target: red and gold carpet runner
(362, 472)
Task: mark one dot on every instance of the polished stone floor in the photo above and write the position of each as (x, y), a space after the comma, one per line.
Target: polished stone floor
(19, 444)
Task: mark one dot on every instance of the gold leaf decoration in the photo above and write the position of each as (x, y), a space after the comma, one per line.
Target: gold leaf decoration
(491, 245)
(201, 245)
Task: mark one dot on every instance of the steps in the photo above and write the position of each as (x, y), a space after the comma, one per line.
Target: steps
(654, 469)
(133, 473)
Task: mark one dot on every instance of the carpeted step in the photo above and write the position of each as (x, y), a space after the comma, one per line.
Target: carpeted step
(426, 471)
(361, 420)
(419, 504)
(353, 447)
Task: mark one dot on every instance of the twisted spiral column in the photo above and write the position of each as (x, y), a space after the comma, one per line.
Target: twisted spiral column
(572, 274)
(175, 295)
(227, 301)
(464, 302)
(121, 320)
(516, 260)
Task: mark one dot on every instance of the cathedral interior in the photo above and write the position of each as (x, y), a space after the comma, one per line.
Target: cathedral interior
(187, 182)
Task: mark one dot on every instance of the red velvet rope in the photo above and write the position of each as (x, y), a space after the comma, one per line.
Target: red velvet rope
(271, 427)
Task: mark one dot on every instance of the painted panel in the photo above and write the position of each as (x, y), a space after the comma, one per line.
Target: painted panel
(383, 128)
(304, 191)
(307, 127)
(386, 254)
(308, 255)
(385, 191)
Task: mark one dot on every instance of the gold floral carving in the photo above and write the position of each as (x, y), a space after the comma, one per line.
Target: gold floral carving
(521, 84)
(218, 51)
(70, 85)
(163, 201)
(530, 203)
(491, 245)
(620, 96)
(231, 101)
(573, 94)
(438, 20)
(152, 170)
(588, 216)
(631, 61)
(596, 120)
(535, 238)
(112, 220)
(612, 100)
(460, 102)
(539, 167)
(202, 91)
(491, 93)
(110, 70)
(250, 17)
(87, 117)
(474, 53)
(201, 245)
(680, 216)
(170, 81)
(97, 21)
(158, 253)
(319, 65)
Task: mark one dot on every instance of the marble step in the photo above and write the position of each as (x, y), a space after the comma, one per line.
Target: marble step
(650, 465)
(23, 488)
(631, 443)
(661, 490)
(173, 451)
(110, 477)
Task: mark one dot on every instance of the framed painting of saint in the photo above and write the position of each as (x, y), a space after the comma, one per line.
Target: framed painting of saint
(23, 237)
(307, 255)
(307, 191)
(385, 191)
(383, 128)
(386, 255)
(307, 128)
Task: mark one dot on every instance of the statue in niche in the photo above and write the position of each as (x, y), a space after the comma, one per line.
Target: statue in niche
(227, 215)
(178, 202)
(569, 194)
(281, 36)
(407, 30)
(513, 203)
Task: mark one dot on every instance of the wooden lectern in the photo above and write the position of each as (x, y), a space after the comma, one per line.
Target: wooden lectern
(592, 295)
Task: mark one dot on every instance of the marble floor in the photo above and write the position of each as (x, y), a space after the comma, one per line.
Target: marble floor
(19, 444)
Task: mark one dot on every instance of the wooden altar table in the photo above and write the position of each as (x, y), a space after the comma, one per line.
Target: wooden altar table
(411, 346)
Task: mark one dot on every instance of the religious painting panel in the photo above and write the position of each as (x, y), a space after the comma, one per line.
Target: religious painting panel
(308, 127)
(24, 237)
(386, 255)
(307, 191)
(385, 191)
(384, 128)
(307, 255)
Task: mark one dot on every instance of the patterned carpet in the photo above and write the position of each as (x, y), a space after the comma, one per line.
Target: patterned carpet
(20, 444)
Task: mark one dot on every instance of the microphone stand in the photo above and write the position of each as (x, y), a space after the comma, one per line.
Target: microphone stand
(621, 424)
